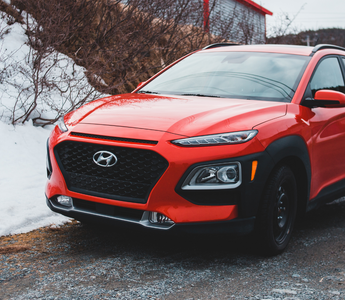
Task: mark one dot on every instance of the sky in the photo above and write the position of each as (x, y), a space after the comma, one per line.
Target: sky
(310, 14)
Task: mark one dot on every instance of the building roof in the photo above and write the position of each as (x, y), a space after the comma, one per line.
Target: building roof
(255, 7)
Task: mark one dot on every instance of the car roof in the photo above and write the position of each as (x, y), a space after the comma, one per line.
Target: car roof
(285, 49)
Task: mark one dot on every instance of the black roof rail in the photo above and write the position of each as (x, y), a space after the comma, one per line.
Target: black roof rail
(219, 45)
(325, 46)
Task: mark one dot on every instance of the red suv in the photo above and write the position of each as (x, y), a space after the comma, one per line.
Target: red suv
(230, 138)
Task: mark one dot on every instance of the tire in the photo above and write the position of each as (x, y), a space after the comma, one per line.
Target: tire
(277, 213)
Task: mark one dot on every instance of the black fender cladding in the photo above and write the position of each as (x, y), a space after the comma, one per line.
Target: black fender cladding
(291, 150)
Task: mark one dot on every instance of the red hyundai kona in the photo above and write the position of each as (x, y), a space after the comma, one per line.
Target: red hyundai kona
(230, 138)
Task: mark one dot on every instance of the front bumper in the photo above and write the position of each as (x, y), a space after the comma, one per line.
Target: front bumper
(232, 210)
(237, 227)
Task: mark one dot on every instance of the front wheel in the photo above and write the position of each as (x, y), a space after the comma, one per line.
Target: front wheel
(278, 211)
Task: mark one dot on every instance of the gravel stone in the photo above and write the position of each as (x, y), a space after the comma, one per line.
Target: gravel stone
(78, 261)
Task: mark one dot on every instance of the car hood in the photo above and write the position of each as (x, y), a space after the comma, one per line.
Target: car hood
(187, 116)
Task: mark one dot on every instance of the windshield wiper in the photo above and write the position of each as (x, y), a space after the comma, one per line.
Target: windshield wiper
(148, 92)
(199, 95)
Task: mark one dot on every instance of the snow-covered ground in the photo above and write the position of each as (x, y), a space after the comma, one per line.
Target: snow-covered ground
(22, 179)
(23, 147)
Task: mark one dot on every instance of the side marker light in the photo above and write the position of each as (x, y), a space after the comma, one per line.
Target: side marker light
(254, 167)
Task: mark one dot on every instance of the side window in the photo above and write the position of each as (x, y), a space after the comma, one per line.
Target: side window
(328, 76)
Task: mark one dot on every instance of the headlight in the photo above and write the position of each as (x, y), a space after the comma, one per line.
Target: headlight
(214, 176)
(48, 166)
(218, 139)
(48, 162)
(61, 124)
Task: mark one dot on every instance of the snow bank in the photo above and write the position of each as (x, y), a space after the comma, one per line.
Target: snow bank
(22, 179)
(23, 147)
(60, 83)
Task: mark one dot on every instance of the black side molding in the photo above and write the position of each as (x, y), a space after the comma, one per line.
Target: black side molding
(328, 194)
(310, 102)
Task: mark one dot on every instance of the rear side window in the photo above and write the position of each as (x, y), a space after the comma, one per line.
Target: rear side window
(328, 76)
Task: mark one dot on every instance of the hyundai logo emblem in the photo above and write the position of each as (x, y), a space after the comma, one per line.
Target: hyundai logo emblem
(104, 159)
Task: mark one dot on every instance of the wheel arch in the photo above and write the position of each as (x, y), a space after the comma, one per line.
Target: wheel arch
(293, 152)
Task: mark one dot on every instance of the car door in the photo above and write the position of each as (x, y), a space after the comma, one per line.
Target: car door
(327, 129)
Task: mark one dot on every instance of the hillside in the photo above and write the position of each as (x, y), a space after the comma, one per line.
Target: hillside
(121, 44)
(335, 36)
(118, 45)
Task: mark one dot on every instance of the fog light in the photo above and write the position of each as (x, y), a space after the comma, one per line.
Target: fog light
(158, 218)
(65, 201)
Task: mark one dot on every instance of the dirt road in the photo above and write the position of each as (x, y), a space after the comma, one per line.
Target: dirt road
(82, 262)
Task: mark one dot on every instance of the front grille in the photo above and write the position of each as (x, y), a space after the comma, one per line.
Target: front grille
(131, 179)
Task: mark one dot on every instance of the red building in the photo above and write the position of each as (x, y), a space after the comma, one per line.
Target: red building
(241, 21)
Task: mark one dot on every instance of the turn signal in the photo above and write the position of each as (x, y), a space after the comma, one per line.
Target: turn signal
(254, 167)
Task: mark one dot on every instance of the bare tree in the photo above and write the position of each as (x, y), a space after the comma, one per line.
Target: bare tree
(120, 43)
(284, 27)
(39, 83)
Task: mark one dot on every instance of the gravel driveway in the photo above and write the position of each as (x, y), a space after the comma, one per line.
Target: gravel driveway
(82, 262)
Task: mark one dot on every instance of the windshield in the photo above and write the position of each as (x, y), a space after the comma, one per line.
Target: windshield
(244, 75)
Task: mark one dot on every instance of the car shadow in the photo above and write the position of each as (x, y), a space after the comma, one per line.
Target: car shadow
(119, 241)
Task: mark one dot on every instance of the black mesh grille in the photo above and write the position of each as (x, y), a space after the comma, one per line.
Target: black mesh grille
(131, 179)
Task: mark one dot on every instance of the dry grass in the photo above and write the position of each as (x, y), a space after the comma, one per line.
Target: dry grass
(10, 249)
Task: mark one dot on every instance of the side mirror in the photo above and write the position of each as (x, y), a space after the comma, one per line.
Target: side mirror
(326, 98)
